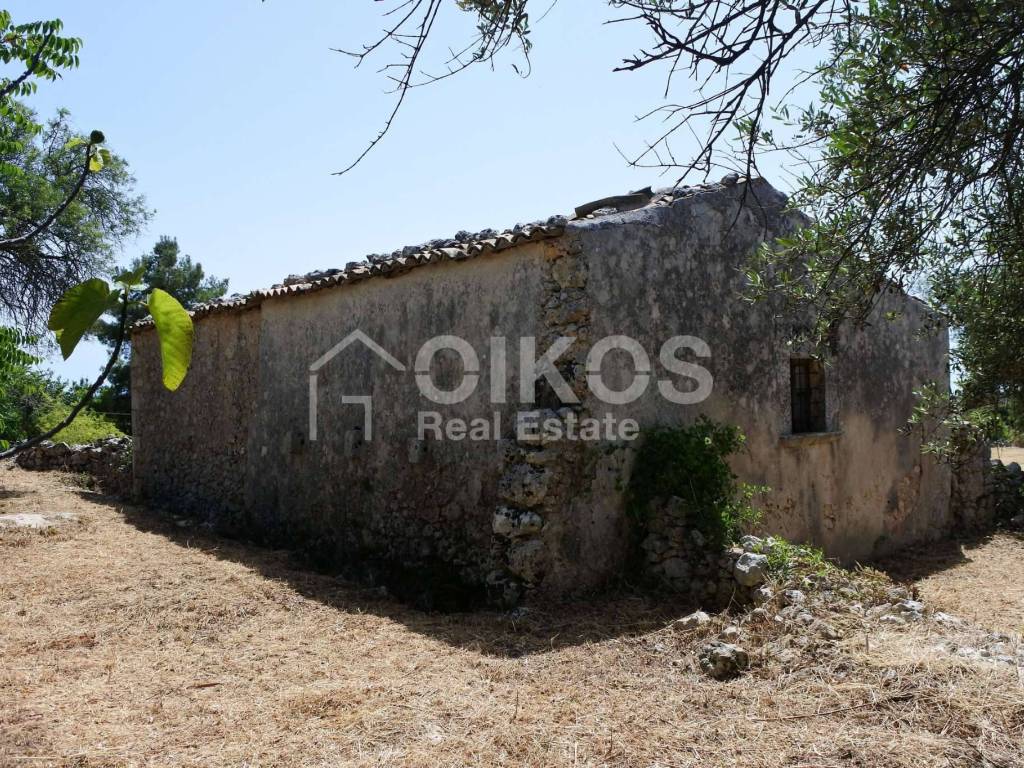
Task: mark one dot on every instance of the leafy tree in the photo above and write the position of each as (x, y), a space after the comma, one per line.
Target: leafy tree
(66, 203)
(986, 304)
(114, 398)
(81, 307)
(32, 401)
(918, 176)
(15, 362)
(166, 268)
(38, 172)
(911, 160)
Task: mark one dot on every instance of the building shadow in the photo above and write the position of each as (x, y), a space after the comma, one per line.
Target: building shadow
(620, 612)
(922, 560)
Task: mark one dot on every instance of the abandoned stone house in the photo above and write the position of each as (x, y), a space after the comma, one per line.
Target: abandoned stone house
(301, 419)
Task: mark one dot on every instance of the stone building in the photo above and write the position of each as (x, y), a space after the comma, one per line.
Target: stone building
(307, 420)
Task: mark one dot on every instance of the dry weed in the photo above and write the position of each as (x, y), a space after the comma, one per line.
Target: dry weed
(130, 641)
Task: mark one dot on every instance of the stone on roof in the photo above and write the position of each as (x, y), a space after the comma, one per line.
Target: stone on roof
(462, 245)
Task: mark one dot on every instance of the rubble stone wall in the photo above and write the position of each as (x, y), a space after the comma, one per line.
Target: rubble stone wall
(107, 462)
(972, 495)
(450, 522)
(1003, 500)
(191, 445)
(859, 490)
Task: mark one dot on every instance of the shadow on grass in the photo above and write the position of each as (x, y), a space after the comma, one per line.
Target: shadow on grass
(619, 613)
(923, 560)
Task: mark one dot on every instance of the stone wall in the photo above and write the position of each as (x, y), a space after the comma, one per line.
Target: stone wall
(191, 445)
(455, 522)
(1004, 498)
(859, 490)
(106, 462)
(389, 508)
(972, 491)
(986, 491)
(679, 558)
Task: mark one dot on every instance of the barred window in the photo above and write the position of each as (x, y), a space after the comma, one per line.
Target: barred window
(807, 389)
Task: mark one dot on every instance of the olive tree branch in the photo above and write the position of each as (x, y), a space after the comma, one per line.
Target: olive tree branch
(500, 25)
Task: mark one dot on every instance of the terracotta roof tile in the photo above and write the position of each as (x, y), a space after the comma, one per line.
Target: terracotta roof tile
(462, 246)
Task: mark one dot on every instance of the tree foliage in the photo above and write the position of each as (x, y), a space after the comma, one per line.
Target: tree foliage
(167, 269)
(32, 401)
(917, 181)
(15, 362)
(82, 305)
(66, 202)
(909, 160)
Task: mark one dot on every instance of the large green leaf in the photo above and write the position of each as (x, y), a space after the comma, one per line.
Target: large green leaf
(77, 311)
(174, 327)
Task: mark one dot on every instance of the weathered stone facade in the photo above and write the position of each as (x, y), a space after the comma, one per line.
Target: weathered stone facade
(522, 515)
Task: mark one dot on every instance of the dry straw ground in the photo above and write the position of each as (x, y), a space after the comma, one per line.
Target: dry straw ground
(1008, 454)
(127, 640)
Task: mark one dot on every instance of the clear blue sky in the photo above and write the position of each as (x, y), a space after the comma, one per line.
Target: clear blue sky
(234, 113)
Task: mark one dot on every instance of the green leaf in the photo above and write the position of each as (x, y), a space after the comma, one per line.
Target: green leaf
(77, 311)
(105, 155)
(95, 163)
(174, 327)
(76, 141)
(131, 279)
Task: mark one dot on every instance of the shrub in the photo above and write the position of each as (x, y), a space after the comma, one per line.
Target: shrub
(690, 463)
(32, 401)
(87, 427)
(784, 557)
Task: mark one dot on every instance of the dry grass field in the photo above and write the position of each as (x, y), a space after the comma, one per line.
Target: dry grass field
(129, 640)
(1008, 454)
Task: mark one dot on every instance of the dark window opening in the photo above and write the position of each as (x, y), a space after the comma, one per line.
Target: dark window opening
(807, 388)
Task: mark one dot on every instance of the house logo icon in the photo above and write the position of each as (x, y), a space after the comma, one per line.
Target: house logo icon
(365, 400)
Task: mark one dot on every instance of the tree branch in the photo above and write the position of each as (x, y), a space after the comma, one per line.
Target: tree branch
(16, 242)
(8, 89)
(88, 394)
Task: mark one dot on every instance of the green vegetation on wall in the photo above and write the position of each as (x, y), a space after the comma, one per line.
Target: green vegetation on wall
(690, 463)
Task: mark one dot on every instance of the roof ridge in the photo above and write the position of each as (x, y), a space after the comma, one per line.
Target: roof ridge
(463, 245)
(389, 266)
